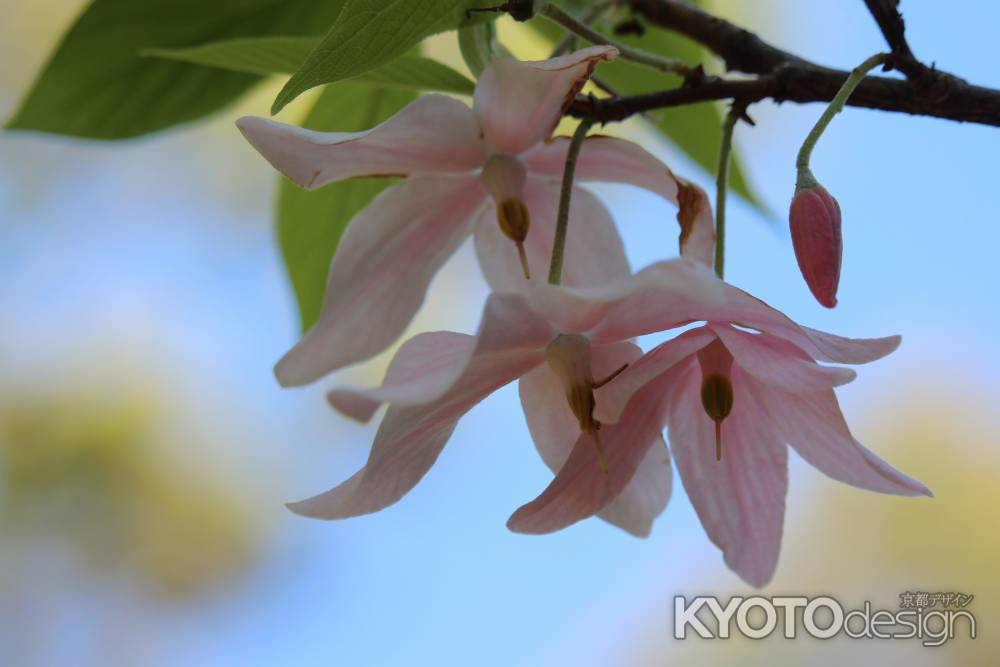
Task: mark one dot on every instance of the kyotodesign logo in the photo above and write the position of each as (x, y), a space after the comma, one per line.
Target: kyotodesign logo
(931, 618)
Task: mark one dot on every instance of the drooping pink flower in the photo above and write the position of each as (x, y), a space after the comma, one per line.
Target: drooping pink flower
(489, 171)
(563, 343)
(814, 222)
(734, 393)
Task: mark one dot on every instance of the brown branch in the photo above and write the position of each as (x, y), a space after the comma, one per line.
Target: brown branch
(890, 22)
(954, 99)
(787, 77)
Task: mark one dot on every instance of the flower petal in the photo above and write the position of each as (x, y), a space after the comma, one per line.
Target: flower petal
(742, 308)
(428, 364)
(613, 160)
(381, 270)
(423, 368)
(520, 103)
(594, 253)
(411, 437)
(613, 397)
(813, 424)
(779, 363)
(660, 296)
(741, 498)
(555, 429)
(433, 134)
(581, 489)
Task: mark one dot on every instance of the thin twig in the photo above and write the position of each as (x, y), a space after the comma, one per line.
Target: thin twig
(567, 42)
(890, 22)
(661, 63)
(788, 77)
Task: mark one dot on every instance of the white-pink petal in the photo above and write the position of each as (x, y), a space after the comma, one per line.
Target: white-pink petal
(742, 308)
(779, 363)
(520, 103)
(433, 134)
(554, 430)
(813, 424)
(658, 297)
(612, 160)
(614, 396)
(423, 368)
(581, 488)
(381, 270)
(594, 254)
(741, 498)
(411, 436)
(604, 159)
(428, 364)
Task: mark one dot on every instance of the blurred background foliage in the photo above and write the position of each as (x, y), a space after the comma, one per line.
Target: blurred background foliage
(145, 449)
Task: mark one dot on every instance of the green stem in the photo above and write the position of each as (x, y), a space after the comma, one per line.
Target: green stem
(577, 27)
(721, 183)
(568, 42)
(565, 194)
(805, 177)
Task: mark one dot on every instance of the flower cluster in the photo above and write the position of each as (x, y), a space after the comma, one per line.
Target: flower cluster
(733, 392)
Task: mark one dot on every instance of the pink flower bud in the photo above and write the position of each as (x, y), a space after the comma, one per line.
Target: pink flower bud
(814, 220)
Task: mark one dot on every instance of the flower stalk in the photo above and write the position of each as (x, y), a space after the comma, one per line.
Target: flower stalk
(805, 178)
(721, 184)
(565, 195)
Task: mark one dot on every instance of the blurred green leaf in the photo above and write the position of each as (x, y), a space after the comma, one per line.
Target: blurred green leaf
(695, 129)
(476, 44)
(310, 223)
(283, 55)
(369, 33)
(254, 55)
(97, 85)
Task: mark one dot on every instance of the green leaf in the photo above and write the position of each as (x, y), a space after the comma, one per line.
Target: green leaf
(408, 72)
(476, 44)
(284, 55)
(254, 55)
(310, 223)
(369, 33)
(97, 84)
(695, 129)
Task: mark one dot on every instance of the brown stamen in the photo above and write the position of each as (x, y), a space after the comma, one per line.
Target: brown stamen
(614, 374)
(524, 260)
(717, 400)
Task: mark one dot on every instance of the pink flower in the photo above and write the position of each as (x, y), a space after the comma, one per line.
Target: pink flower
(466, 171)
(733, 393)
(814, 221)
(561, 358)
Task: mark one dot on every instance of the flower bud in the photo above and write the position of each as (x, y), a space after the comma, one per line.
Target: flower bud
(814, 221)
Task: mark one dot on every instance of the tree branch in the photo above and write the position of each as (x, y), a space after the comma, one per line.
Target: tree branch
(951, 99)
(786, 77)
(890, 22)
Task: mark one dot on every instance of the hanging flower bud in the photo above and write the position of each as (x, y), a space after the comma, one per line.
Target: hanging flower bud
(503, 177)
(716, 388)
(814, 220)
